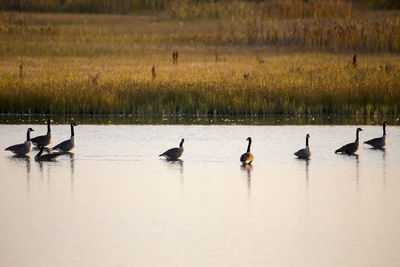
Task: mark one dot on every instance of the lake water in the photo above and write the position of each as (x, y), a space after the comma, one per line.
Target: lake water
(115, 203)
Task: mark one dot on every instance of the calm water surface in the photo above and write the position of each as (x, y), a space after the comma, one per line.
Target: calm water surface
(115, 203)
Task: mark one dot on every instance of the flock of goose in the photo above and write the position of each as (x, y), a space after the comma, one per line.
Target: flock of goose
(247, 158)
(305, 153)
(41, 142)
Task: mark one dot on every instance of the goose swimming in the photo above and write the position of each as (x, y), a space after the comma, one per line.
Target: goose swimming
(46, 157)
(174, 153)
(378, 142)
(351, 148)
(43, 140)
(304, 153)
(25, 148)
(247, 158)
(69, 144)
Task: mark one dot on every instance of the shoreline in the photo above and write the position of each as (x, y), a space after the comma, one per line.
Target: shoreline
(184, 119)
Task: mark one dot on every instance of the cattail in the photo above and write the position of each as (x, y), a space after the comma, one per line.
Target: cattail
(216, 56)
(354, 61)
(20, 71)
(153, 72)
(175, 56)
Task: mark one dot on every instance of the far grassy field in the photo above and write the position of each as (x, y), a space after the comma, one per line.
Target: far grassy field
(102, 64)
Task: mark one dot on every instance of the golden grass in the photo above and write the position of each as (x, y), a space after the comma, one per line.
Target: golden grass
(101, 64)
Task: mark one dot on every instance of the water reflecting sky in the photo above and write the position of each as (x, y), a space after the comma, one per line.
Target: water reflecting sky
(114, 202)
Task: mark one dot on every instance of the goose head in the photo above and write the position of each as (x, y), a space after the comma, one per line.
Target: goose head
(248, 139)
(28, 134)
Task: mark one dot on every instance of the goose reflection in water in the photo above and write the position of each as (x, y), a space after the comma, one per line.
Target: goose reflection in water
(175, 164)
(71, 156)
(248, 169)
(27, 160)
(357, 168)
(383, 151)
(384, 165)
(307, 167)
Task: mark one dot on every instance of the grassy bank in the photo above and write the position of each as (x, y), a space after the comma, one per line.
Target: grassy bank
(101, 64)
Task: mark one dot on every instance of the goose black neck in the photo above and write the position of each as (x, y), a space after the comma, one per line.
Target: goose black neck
(248, 147)
(357, 134)
(384, 128)
(28, 135)
(181, 143)
(40, 152)
(48, 126)
(72, 130)
(306, 141)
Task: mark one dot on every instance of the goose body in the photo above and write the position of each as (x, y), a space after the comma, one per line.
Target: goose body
(378, 142)
(247, 158)
(351, 148)
(304, 153)
(174, 153)
(24, 148)
(46, 157)
(69, 144)
(43, 140)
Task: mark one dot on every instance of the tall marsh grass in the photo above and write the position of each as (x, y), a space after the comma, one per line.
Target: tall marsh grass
(102, 64)
(195, 8)
(261, 10)
(297, 83)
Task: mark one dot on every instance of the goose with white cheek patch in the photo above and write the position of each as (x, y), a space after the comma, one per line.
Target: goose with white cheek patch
(351, 148)
(69, 144)
(304, 153)
(22, 149)
(43, 140)
(378, 142)
(247, 158)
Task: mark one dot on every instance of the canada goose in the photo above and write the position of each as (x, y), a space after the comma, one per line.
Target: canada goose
(46, 157)
(43, 140)
(351, 148)
(69, 144)
(304, 153)
(174, 153)
(25, 148)
(247, 158)
(379, 142)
